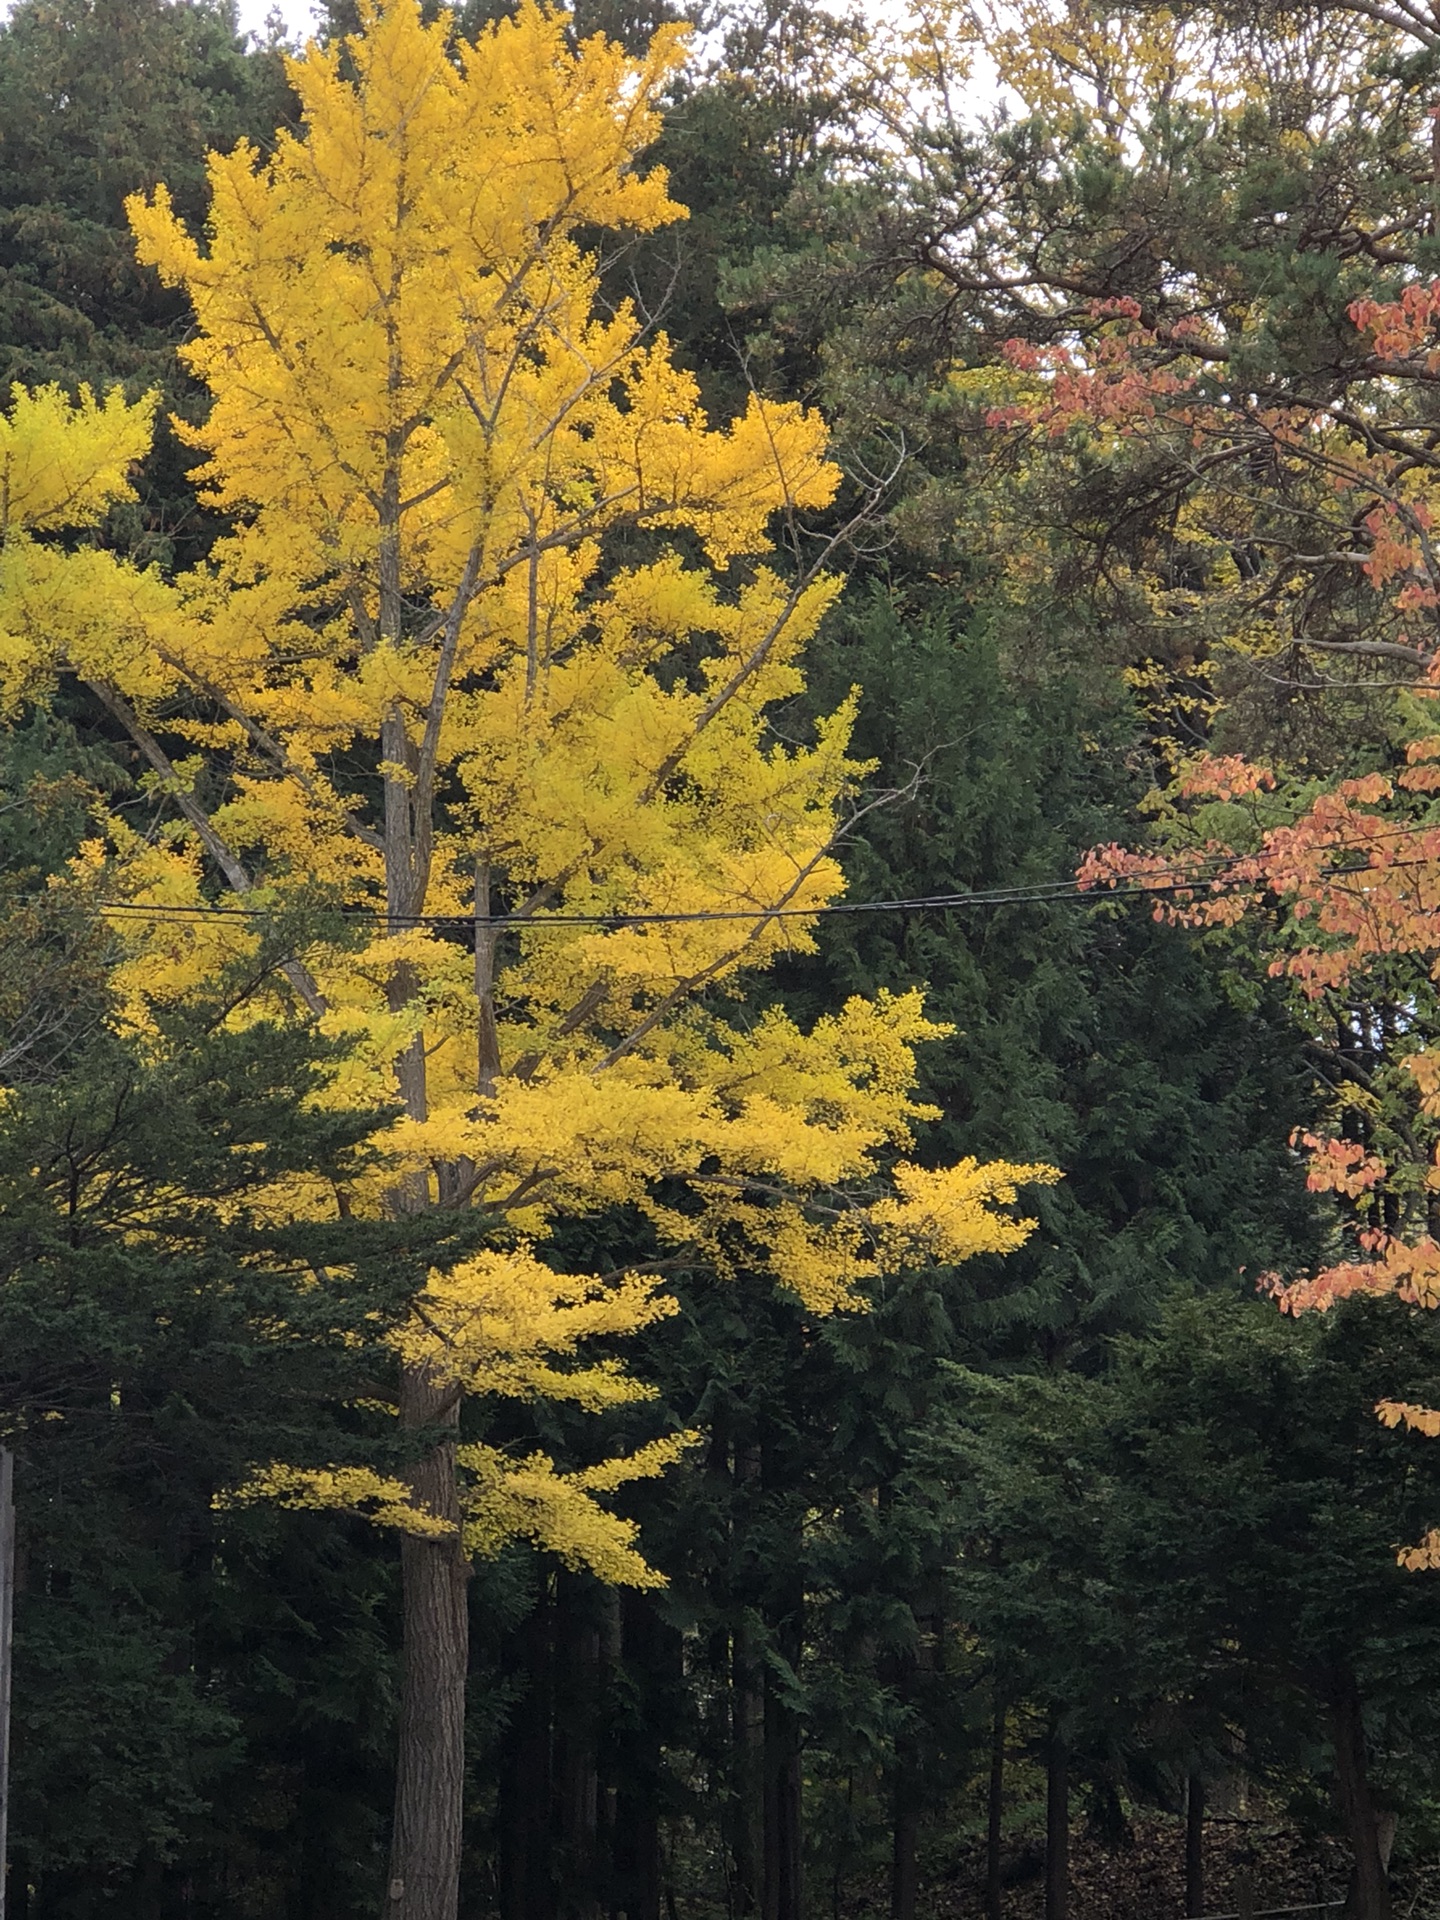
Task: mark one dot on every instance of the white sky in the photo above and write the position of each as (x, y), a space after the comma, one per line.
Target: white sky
(299, 18)
(296, 14)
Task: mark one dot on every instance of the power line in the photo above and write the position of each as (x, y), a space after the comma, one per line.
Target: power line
(1210, 876)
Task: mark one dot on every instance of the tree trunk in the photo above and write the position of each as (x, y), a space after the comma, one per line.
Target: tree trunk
(607, 1747)
(577, 1732)
(747, 1695)
(995, 1813)
(1057, 1824)
(784, 1829)
(905, 1854)
(652, 1653)
(784, 1891)
(1369, 1895)
(526, 1787)
(1194, 1847)
(425, 1847)
(638, 1859)
(8, 1584)
(747, 1763)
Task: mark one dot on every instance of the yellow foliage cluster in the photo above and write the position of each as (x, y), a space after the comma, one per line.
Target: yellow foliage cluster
(1424, 1556)
(1121, 64)
(503, 1499)
(494, 633)
(62, 464)
(1396, 1413)
(1115, 66)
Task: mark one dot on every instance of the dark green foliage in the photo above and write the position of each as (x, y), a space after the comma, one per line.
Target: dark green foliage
(100, 99)
(1085, 1035)
(189, 1688)
(1197, 1554)
(156, 1342)
(816, 1544)
(631, 22)
(775, 104)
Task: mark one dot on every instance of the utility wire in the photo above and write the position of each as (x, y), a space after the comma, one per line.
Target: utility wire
(1206, 877)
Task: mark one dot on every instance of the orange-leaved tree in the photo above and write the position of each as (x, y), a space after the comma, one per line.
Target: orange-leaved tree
(484, 660)
(1310, 533)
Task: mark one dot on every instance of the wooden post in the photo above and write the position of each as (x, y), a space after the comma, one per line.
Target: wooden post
(7, 1624)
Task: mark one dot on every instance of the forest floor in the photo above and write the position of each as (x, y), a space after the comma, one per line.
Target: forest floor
(1146, 1879)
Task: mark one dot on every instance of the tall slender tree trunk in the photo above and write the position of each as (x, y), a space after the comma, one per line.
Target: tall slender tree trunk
(784, 1809)
(430, 1772)
(747, 1762)
(577, 1732)
(653, 1656)
(8, 1584)
(1057, 1823)
(425, 1847)
(995, 1813)
(426, 1841)
(607, 1749)
(1369, 1895)
(526, 1785)
(905, 1847)
(1194, 1847)
(917, 1674)
(784, 1893)
(747, 1707)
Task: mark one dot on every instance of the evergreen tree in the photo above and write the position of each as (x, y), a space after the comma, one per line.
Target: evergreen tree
(161, 1332)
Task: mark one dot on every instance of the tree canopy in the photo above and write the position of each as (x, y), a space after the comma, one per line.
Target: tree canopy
(716, 869)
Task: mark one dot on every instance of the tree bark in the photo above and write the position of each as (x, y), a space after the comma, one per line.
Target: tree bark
(995, 1814)
(577, 1759)
(1057, 1824)
(784, 1812)
(747, 1762)
(424, 1882)
(653, 1656)
(1369, 1895)
(653, 1661)
(1194, 1847)
(607, 1747)
(905, 1850)
(526, 1794)
(7, 1633)
(784, 1891)
(426, 1843)
(748, 1733)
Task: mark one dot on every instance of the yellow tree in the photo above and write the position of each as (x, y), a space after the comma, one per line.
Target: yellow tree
(486, 656)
